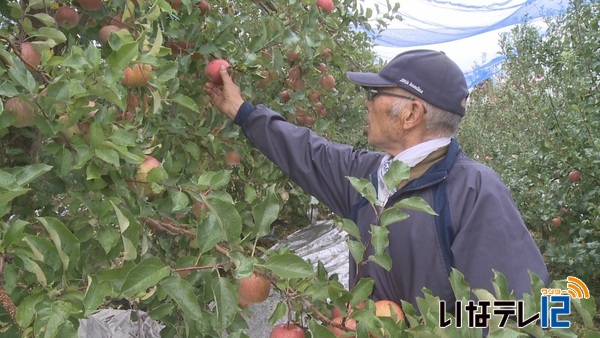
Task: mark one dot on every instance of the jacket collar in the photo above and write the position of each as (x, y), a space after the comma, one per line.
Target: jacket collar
(437, 172)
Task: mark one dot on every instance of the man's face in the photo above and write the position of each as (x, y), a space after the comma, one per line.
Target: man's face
(383, 129)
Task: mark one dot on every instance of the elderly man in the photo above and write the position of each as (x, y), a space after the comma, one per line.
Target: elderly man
(414, 106)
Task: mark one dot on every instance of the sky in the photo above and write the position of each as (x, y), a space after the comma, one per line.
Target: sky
(468, 31)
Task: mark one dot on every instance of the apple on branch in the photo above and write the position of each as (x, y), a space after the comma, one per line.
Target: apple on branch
(212, 70)
(105, 32)
(574, 176)
(328, 82)
(66, 17)
(30, 55)
(325, 5)
(287, 330)
(254, 289)
(137, 75)
(22, 110)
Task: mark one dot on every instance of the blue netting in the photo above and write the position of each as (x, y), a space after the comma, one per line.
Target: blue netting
(430, 22)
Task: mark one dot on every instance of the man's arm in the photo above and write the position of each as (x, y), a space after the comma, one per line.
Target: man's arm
(318, 166)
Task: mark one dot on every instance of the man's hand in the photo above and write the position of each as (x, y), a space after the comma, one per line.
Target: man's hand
(227, 98)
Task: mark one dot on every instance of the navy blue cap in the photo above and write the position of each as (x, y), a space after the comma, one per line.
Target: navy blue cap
(427, 74)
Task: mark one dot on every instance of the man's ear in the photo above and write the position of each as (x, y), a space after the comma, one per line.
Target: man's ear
(414, 115)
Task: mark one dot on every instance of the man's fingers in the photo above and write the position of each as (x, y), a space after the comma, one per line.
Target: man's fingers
(224, 75)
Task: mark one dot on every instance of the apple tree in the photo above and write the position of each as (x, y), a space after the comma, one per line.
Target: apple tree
(122, 187)
(537, 125)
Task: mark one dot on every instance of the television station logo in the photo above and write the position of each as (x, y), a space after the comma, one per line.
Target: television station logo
(554, 304)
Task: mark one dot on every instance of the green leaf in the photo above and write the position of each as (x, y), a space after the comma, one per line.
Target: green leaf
(50, 319)
(96, 135)
(278, 313)
(95, 294)
(182, 292)
(23, 77)
(365, 188)
(586, 309)
(108, 155)
(223, 223)
(186, 102)
(289, 266)
(8, 196)
(147, 273)
(362, 290)
(266, 212)
(13, 234)
(179, 199)
(415, 203)
(214, 179)
(462, 290)
(34, 268)
(225, 297)
(319, 330)
(398, 172)
(45, 19)
(51, 33)
(357, 250)
(67, 245)
(26, 312)
(383, 259)
(129, 252)
(379, 238)
(392, 215)
(121, 58)
(350, 227)
(122, 137)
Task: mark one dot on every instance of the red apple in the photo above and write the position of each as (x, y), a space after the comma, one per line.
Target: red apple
(325, 5)
(212, 70)
(293, 57)
(204, 6)
(284, 96)
(144, 168)
(105, 33)
(175, 4)
(90, 5)
(22, 111)
(322, 67)
(31, 56)
(66, 17)
(313, 96)
(309, 121)
(574, 176)
(350, 324)
(232, 158)
(137, 75)
(328, 82)
(298, 84)
(556, 221)
(294, 73)
(254, 289)
(326, 53)
(288, 330)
